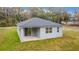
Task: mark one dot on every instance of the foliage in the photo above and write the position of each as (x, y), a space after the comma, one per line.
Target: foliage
(11, 16)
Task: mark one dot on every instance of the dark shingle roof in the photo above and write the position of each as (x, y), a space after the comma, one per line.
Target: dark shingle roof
(37, 22)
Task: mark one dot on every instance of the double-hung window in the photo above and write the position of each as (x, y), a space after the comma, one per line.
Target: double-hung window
(48, 30)
(57, 29)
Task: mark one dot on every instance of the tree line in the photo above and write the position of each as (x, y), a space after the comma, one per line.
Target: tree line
(10, 16)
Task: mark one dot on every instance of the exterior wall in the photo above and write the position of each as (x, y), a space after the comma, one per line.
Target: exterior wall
(54, 33)
(20, 32)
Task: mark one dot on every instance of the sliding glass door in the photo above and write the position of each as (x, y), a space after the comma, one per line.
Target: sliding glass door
(28, 31)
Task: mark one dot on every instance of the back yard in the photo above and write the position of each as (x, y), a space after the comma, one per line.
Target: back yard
(9, 40)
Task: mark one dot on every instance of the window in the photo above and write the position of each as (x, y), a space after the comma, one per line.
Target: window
(57, 29)
(48, 30)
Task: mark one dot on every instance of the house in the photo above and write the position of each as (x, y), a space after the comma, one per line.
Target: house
(38, 29)
(73, 21)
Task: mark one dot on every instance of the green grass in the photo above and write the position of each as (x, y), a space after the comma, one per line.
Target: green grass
(9, 40)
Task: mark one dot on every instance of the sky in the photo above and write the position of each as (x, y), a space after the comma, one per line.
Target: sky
(70, 10)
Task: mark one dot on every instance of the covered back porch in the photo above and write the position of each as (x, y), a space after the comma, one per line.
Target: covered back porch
(29, 34)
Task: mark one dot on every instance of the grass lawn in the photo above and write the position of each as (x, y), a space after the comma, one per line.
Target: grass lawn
(9, 40)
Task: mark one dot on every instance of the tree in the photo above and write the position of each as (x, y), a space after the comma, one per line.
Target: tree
(66, 17)
(56, 14)
(8, 15)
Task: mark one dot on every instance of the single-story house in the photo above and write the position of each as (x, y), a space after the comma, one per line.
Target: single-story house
(38, 29)
(73, 21)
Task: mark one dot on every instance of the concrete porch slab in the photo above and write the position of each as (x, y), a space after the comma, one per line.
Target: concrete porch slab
(30, 38)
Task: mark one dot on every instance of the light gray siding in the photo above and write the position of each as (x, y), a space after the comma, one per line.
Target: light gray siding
(54, 33)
